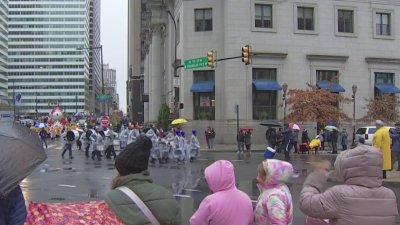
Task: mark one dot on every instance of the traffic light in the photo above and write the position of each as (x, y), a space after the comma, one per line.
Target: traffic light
(211, 58)
(246, 54)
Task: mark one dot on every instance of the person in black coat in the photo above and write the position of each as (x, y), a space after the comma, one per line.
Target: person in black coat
(334, 140)
(12, 208)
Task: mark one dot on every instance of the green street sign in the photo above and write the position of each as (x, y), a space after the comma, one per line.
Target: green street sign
(104, 98)
(195, 63)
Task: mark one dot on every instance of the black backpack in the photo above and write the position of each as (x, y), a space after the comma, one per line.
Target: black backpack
(70, 136)
(88, 134)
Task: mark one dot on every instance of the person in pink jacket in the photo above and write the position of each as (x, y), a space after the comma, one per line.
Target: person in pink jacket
(274, 205)
(226, 205)
(361, 200)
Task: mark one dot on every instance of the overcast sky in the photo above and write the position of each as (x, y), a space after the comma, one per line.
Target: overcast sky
(114, 19)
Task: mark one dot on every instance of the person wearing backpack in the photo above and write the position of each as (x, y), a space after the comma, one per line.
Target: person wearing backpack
(70, 137)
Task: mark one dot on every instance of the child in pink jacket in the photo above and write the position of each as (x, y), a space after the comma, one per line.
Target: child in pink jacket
(274, 205)
(226, 205)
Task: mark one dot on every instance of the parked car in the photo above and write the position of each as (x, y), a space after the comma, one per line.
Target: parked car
(367, 133)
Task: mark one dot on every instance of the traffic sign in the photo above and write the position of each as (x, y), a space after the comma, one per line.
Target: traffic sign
(105, 122)
(195, 63)
(104, 97)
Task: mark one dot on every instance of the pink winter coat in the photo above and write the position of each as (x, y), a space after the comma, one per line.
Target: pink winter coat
(274, 206)
(361, 200)
(227, 204)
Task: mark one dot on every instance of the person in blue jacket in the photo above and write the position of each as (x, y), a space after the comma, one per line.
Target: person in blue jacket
(12, 208)
(395, 147)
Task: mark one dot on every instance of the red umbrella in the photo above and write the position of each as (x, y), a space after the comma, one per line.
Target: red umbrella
(246, 129)
(295, 126)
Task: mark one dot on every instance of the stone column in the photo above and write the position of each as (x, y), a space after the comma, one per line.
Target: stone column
(156, 78)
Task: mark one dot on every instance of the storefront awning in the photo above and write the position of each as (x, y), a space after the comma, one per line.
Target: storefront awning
(266, 85)
(203, 87)
(334, 87)
(387, 88)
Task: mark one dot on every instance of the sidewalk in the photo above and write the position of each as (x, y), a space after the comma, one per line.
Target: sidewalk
(393, 177)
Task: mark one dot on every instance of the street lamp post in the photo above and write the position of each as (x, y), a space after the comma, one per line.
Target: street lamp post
(354, 89)
(176, 98)
(175, 27)
(284, 88)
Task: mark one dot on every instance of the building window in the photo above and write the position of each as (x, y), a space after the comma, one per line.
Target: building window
(264, 101)
(204, 99)
(345, 21)
(382, 23)
(203, 20)
(263, 16)
(305, 18)
(327, 75)
(384, 78)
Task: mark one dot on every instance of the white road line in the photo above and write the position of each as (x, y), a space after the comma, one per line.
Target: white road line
(183, 196)
(66, 185)
(192, 190)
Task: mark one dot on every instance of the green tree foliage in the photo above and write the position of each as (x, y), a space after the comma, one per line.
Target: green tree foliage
(163, 117)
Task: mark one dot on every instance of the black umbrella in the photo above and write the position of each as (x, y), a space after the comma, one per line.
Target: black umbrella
(271, 123)
(21, 152)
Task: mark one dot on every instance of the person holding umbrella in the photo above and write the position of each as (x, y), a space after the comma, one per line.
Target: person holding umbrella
(19, 146)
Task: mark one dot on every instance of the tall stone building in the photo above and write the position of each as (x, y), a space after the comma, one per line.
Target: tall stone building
(292, 42)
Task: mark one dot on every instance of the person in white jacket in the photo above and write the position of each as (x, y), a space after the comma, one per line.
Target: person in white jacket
(98, 144)
(133, 134)
(124, 138)
(194, 146)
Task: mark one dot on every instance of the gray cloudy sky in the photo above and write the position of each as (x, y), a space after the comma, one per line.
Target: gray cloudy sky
(114, 14)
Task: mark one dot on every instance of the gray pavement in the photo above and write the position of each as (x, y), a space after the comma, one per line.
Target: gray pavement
(81, 179)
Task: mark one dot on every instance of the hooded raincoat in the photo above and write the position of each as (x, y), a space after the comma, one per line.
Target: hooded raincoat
(227, 204)
(274, 205)
(360, 200)
(382, 140)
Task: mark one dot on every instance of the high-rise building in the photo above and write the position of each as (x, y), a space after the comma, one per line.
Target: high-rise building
(94, 55)
(3, 50)
(110, 85)
(45, 64)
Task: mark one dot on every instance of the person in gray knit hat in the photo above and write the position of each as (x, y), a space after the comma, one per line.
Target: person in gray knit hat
(132, 165)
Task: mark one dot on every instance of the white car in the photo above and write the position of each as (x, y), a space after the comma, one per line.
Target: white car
(367, 133)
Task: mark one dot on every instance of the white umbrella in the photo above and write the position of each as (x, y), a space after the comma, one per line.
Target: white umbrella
(41, 125)
(330, 128)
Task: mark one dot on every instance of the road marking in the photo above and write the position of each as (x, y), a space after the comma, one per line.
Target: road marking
(66, 185)
(183, 196)
(192, 190)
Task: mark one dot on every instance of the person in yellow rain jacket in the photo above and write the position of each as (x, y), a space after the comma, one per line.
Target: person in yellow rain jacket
(315, 144)
(381, 140)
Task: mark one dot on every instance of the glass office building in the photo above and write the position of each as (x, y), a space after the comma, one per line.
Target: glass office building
(3, 50)
(45, 64)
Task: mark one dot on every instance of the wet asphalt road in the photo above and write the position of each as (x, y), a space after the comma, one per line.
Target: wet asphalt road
(82, 179)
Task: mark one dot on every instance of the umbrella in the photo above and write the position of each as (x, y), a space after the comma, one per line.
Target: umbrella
(246, 128)
(270, 123)
(179, 121)
(330, 128)
(294, 126)
(41, 125)
(21, 152)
